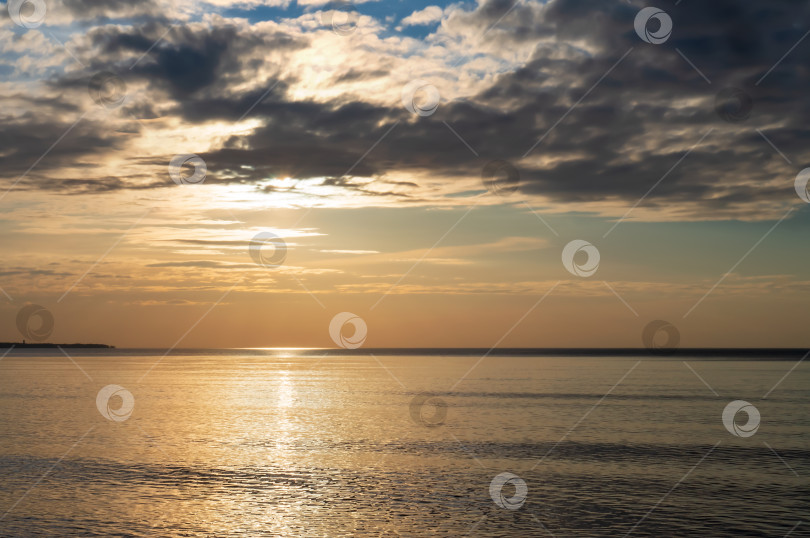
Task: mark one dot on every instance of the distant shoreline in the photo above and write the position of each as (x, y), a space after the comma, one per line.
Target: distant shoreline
(27, 345)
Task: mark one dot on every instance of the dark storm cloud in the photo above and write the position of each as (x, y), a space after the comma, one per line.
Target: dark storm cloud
(628, 128)
(655, 95)
(85, 9)
(185, 62)
(306, 140)
(26, 140)
(75, 186)
(634, 126)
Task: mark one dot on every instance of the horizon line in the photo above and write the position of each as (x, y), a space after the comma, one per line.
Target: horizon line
(456, 351)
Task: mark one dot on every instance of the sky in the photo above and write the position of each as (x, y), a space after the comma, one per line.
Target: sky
(516, 174)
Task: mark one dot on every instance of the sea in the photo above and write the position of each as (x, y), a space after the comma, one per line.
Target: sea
(291, 442)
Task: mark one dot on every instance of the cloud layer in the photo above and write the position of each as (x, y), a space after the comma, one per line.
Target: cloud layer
(709, 124)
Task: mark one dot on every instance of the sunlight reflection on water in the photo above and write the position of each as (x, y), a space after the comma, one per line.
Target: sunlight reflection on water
(301, 446)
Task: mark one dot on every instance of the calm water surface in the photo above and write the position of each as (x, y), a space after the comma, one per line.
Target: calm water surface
(274, 444)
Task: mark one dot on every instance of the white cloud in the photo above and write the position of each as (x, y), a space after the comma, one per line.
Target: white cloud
(424, 16)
